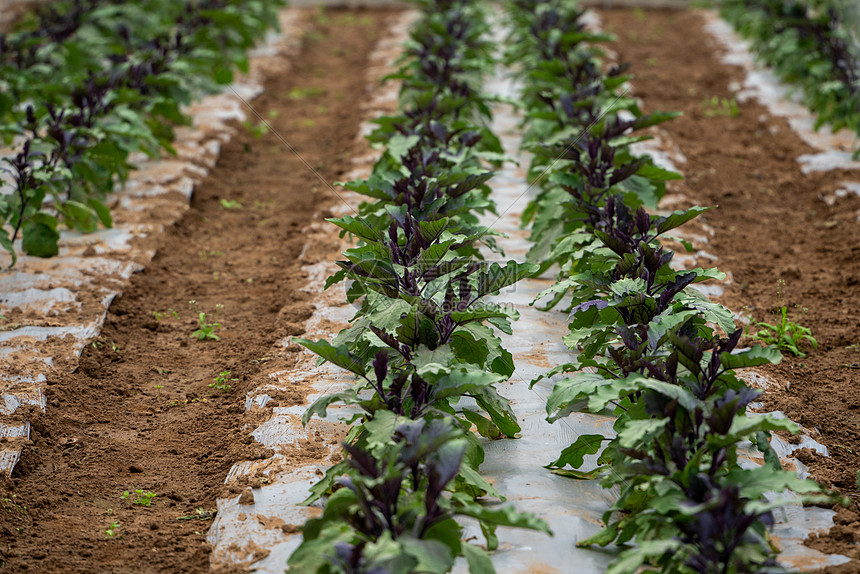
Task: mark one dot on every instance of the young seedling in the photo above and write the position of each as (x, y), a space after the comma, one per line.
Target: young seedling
(222, 382)
(159, 315)
(257, 130)
(786, 334)
(716, 106)
(231, 204)
(206, 330)
(112, 531)
(139, 497)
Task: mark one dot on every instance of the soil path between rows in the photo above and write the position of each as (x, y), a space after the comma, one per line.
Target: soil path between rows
(773, 224)
(139, 412)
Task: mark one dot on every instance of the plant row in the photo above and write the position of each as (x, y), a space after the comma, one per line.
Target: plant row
(422, 344)
(650, 349)
(808, 42)
(81, 90)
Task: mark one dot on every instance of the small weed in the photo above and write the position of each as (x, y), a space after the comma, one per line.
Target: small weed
(170, 312)
(305, 93)
(206, 330)
(222, 382)
(99, 344)
(112, 531)
(639, 14)
(11, 506)
(139, 497)
(206, 254)
(716, 106)
(786, 334)
(231, 204)
(257, 130)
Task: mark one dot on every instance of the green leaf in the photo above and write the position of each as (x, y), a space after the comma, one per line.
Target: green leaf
(498, 408)
(646, 552)
(340, 355)
(102, 211)
(678, 218)
(320, 406)
(500, 515)
(473, 478)
(575, 454)
(313, 554)
(6, 243)
(497, 277)
(567, 394)
(399, 145)
(656, 173)
(222, 75)
(601, 538)
(485, 427)
(654, 118)
(478, 559)
(752, 357)
(358, 227)
(578, 474)
(636, 433)
(432, 555)
(39, 239)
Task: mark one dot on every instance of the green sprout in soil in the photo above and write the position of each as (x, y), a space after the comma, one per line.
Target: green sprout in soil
(716, 106)
(159, 315)
(231, 204)
(139, 497)
(305, 93)
(112, 531)
(257, 130)
(222, 382)
(787, 335)
(206, 330)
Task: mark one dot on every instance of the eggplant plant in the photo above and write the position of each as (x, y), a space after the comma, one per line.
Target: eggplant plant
(422, 338)
(651, 350)
(394, 511)
(78, 97)
(826, 59)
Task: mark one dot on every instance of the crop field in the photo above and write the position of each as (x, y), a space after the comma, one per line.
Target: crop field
(450, 286)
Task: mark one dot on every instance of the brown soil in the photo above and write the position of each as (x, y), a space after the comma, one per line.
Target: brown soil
(772, 224)
(139, 412)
